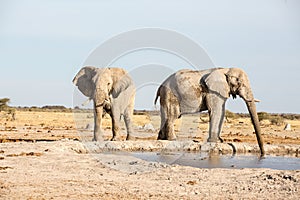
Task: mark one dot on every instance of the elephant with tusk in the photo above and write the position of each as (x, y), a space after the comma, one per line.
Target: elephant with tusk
(112, 91)
(190, 91)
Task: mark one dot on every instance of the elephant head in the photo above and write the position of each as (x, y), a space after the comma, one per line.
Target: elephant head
(99, 83)
(234, 81)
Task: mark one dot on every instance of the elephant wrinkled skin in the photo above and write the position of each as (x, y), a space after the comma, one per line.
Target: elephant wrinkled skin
(190, 91)
(112, 91)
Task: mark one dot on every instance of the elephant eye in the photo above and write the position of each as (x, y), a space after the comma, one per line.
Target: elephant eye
(236, 80)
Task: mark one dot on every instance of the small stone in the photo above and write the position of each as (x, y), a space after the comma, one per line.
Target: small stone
(193, 182)
(133, 162)
(148, 127)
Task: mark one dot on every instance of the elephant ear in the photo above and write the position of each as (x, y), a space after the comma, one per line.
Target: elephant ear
(216, 83)
(122, 81)
(83, 80)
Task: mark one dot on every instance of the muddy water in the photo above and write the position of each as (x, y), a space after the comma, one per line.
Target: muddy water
(221, 161)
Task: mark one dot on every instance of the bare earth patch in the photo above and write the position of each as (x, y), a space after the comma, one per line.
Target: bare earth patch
(42, 157)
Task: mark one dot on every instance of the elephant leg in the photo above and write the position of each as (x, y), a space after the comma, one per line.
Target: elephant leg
(216, 109)
(167, 130)
(98, 136)
(167, 126)
(163, 121)
(169, 112)
(116, 116)
(128, 115)
(170, 129)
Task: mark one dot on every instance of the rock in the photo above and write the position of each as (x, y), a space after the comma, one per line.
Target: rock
(287, 127)
(148, 127)
(133, 162)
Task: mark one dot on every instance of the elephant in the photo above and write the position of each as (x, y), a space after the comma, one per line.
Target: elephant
(192, 91)
(112, 91)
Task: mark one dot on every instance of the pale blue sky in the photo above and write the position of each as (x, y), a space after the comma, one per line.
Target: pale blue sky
(44, 43)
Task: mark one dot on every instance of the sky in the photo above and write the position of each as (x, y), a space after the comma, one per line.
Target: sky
(43, 44)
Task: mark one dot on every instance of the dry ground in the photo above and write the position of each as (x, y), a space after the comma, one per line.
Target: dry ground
(41, 157)
(58, 125)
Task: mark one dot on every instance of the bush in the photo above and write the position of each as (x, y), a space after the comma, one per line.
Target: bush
(277, 120)
(274, 119)
(290, 116)
(3, 104)
(231, 115)
(263, 116)
(54, 107)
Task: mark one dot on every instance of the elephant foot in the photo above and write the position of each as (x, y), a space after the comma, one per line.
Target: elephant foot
(129, 137)
(161, 136)
(172, 138)
(215, 140)
(116, 138)
(98, 139)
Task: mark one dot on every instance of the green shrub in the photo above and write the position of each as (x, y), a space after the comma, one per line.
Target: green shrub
(290, 116)
(274, 119)
(263, 116)
(277, 120)
(231, 115)
(3, 104)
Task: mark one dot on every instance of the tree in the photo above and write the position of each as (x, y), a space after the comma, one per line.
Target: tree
(3, 104)
(11, 112)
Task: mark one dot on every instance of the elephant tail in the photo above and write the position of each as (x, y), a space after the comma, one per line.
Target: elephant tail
(157, 95)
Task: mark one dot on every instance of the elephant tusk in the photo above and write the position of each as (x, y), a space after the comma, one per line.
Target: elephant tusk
(105, 102)
(86, 102)
(254, 100)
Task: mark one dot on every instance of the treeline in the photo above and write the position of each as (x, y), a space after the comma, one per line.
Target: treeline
(50, 108)
(273, 117)
(44, 109)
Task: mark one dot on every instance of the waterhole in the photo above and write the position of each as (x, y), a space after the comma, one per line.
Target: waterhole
(203, 160)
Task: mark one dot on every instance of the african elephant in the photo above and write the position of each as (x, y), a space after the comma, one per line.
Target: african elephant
(190, 91)
(113, 92)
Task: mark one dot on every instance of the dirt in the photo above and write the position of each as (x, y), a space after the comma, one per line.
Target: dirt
(42, 156)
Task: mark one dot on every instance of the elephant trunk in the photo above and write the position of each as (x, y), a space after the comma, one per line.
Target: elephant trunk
(100, 97)
(254, 118)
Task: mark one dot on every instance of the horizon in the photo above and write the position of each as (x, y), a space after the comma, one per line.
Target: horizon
(44, 44)
(135, 110)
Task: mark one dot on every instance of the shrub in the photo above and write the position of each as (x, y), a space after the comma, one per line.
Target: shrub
(54, 107)
(277, 120)
(274, 119)
(3, 104)
(263, 116)
(290, 116)
(231, 115)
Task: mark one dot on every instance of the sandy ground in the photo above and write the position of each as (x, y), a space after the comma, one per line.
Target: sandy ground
(42, 156)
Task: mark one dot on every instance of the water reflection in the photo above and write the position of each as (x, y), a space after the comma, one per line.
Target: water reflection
(201, 160)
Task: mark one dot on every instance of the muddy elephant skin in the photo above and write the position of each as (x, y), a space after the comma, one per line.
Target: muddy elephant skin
(112, 91)
(191, 91)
